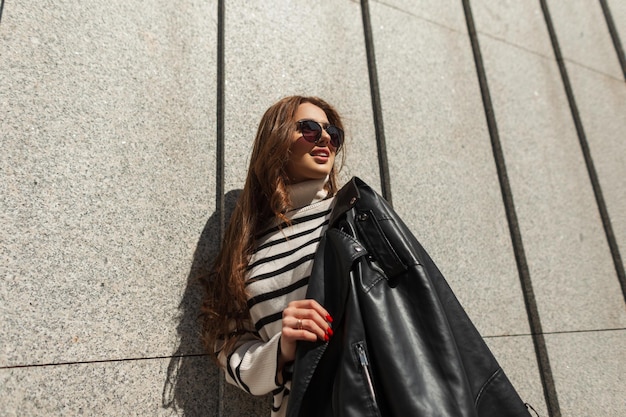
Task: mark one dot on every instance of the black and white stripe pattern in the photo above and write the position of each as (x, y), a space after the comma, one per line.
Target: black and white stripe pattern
(278, 273)
(280, 266)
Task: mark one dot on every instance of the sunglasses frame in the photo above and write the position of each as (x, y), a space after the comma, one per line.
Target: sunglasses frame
(318, 133)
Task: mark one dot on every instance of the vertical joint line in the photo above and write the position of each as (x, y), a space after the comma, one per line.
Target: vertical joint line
(584, 146)
(219, 156)
(614, 36)
(376, 104)
(532, 311)
(1, 9)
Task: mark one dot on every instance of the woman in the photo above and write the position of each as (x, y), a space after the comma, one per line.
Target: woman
(403, 344)
(255, 309)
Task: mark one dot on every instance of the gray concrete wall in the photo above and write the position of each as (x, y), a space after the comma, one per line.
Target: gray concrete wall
(109, 124)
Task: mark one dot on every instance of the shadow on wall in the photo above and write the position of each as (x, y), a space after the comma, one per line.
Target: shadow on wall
(192, 384)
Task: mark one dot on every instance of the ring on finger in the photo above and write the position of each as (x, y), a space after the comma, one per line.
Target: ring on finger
(299, 324)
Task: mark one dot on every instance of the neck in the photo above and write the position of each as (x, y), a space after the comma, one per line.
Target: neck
(307, 192)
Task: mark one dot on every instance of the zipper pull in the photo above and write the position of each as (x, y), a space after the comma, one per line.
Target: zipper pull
(365, 364)
(362, 356)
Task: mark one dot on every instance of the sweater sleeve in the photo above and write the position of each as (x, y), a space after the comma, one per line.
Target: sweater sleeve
(252, 364)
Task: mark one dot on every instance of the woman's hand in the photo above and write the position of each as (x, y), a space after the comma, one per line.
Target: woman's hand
(303, 320)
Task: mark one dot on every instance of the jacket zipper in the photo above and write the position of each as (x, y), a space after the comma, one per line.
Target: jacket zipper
(365, 365)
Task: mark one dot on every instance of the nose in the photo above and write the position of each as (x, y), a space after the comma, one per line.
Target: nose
(324, 139)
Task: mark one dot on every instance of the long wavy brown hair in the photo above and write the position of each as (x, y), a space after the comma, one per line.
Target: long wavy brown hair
(224, 309)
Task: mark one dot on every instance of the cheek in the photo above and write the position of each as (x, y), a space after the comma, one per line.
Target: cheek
(300, 148)
(296, 157)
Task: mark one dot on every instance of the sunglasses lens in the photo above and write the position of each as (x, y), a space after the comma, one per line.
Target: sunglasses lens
(336, 136)
(310, 130)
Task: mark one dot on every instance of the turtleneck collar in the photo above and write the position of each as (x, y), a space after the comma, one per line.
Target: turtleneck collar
(307, 192)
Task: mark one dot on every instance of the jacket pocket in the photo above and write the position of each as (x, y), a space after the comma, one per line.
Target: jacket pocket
(363, 363)
(378, 245)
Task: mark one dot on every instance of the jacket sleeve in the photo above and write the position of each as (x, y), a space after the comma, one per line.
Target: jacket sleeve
(252, 363)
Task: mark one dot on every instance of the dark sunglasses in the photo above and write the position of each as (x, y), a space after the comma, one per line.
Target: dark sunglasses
(312, 132)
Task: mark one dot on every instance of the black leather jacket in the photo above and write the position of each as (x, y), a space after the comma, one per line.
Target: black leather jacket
(403, 345)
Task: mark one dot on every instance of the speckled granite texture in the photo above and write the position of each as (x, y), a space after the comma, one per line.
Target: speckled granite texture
(108, 179)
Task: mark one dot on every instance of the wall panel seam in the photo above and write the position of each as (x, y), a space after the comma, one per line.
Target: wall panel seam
(547, 57)
(611, 329)
(617, 44)
(422, 18)
(98, 361)
(379, 128)
(220, 145)
(584, 145)
(206, 355)
(530, 302)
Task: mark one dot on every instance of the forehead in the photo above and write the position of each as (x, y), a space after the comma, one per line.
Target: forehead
(311, 112)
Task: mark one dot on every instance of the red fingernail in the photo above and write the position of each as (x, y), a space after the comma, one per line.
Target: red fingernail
(326, 338)
(328, 318)
(329, 331)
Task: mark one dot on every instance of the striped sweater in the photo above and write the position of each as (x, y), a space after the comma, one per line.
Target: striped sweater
(278, 273)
